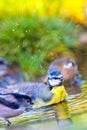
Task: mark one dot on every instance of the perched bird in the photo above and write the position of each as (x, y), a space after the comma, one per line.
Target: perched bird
(13, 104)
(55, 82)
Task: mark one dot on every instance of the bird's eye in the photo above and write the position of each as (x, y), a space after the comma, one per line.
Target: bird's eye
(56, 78)
(28, 100)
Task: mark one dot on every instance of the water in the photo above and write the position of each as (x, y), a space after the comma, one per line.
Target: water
(63, 116)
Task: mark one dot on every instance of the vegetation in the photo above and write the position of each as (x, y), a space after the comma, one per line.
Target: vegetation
(35, 32)
(35, 42)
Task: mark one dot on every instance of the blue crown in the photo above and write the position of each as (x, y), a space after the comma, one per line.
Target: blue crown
(55, 75)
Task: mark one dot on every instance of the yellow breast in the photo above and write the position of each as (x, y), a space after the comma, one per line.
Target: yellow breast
(59, 94)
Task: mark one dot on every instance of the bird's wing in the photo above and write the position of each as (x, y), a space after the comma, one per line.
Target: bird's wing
(10, 104)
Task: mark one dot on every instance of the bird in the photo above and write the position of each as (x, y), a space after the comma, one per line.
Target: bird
(46, 93)
(13, 104)
(68, 68)
(51, 93)
(38, 90)
(55, 83)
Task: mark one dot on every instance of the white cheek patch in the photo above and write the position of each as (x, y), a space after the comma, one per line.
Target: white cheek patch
(54, 82)
(68, 65)
(16, 91)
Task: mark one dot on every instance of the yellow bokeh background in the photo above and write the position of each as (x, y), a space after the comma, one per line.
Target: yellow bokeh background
(74, 9)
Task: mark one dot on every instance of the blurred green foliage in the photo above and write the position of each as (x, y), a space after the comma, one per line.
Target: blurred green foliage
(35, 42)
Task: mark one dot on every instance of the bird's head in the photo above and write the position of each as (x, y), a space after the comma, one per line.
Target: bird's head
(16, 100)
(69, 69)
(55, 78)
(23, 99)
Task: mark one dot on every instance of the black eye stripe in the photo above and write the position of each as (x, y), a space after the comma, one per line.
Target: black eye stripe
(55, 78)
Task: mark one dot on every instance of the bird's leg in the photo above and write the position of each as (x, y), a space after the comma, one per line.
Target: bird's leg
(8, 123)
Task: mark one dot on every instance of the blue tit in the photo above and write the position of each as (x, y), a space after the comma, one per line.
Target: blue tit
(55, 82)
